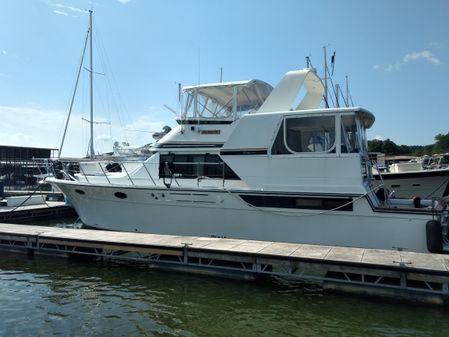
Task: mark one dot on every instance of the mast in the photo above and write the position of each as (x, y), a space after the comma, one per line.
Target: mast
(92, 153)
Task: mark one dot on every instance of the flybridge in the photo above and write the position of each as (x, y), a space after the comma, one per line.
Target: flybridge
(229, 101)
(223, 101)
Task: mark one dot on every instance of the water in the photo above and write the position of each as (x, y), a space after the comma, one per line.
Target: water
(49, 296)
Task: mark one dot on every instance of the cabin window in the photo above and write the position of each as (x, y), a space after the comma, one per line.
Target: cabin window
(194, 166)
(317, 203)
(305, 134)
(279, 144)
(350, 142)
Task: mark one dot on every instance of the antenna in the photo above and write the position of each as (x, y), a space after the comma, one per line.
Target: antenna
(199, 66)
(333, 63)
(347, 91)
(221, 74)
(337, 88)
(325, 77)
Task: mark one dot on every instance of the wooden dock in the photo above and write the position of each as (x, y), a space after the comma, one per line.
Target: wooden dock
(393, 274)
(49, 210)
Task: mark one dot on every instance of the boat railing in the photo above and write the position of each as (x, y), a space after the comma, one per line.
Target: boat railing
(156, 174)
(52, 167)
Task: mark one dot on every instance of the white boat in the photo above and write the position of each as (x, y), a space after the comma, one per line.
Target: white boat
(245, 161)
(416, 178)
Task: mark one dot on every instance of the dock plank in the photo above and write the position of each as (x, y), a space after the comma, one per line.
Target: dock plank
(424, 261)
(312, 252)
(280, 248)
(381, 257)
(250, 246)
(345, 254)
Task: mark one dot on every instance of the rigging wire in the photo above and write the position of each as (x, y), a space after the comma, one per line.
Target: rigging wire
(71, 100)
(111, 83)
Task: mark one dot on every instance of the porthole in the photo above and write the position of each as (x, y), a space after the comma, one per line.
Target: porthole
(120, 195)
(80, 192)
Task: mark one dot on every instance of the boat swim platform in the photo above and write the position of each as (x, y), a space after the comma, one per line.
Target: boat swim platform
(47, 210)
(396, 274)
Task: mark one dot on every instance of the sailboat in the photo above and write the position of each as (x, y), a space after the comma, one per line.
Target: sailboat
(88, 41)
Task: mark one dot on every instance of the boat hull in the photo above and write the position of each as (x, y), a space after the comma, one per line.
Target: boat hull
(425, 184)
(222, 213)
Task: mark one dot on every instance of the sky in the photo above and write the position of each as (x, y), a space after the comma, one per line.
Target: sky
(395, 54)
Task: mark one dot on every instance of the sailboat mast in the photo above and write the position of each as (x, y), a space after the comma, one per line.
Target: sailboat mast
(92, 153)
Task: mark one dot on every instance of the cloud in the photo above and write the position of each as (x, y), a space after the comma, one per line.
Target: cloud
(407, 58)
(421, 55)
(388, 67)
(4, 52)
(124, 2)
(60, 13)
(70, 8)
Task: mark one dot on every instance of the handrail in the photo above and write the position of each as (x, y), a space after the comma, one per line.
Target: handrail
(198, 172)
(106, 176)
(122, 165)
(149, 174)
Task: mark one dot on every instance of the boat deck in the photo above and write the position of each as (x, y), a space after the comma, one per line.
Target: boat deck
(398, 274)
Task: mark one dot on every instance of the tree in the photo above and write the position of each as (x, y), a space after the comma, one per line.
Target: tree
(441, 144)
(375, 145)
(389, 147)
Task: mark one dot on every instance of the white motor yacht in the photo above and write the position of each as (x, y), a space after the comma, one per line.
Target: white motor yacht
(416, 178)
(246, 161)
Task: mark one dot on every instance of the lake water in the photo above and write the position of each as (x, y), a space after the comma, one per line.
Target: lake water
(50, 296)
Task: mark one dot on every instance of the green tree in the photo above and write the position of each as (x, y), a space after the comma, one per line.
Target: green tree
(375, 145)
(441, 144)
(389, 147)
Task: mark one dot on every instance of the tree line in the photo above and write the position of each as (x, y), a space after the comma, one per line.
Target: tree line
(389, 147)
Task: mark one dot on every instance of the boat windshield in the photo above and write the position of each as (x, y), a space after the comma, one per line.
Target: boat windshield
(226, 101)
(353, 135)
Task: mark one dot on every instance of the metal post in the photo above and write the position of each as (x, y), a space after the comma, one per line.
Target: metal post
(145, 167)
(106, 176)
(85, 176)
(123, 165)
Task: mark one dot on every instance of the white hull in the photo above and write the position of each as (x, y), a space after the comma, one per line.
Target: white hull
(425, 184)
(224, 214)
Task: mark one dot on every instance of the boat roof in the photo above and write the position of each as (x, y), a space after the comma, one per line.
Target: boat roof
(250, 91)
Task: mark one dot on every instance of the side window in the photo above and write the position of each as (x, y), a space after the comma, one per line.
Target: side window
(193, 166)
(310, 134)
(349, 135)
(279, 144)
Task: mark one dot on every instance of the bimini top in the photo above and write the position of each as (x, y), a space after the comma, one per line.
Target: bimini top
(228, 100)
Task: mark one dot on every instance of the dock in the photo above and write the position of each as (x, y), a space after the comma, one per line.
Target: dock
(49, 210)
(394, 274)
